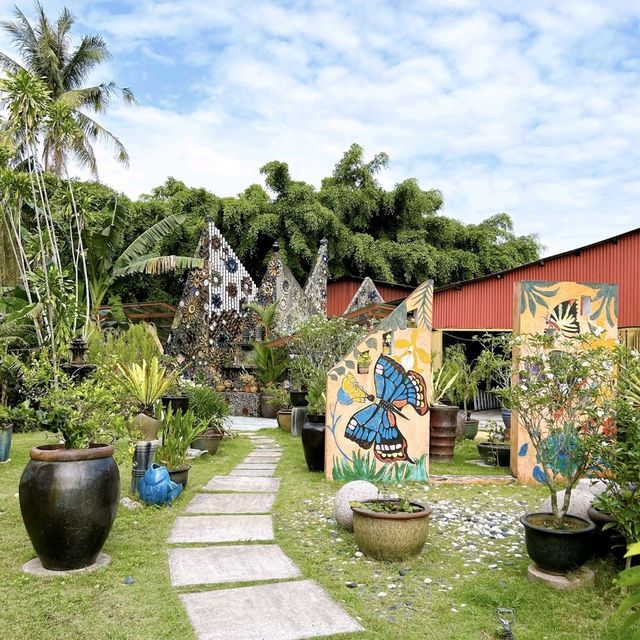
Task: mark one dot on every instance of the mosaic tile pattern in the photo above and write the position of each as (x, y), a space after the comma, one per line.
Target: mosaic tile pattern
(367, 294)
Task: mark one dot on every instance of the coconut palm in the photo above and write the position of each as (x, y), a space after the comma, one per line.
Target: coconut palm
(47, 54)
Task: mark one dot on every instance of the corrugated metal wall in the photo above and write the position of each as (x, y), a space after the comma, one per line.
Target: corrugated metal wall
(340, 293)
(488, 304)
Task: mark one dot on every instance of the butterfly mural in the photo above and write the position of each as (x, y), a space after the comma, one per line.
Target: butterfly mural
(376, 424)
(564, 318)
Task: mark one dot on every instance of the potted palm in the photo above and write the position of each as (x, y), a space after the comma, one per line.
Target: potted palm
(564, 400)
(146, 383)
(443, 420)
(390, 529)
(69, 492)
(179, 430)
(212, 409)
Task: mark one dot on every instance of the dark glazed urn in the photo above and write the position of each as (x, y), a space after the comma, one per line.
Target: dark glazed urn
(176, 402)
(298, 398)
(313, 442)
(558, 551)
(180, 475)
(68, 500)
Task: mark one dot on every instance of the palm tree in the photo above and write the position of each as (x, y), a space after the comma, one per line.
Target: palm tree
(47, 54)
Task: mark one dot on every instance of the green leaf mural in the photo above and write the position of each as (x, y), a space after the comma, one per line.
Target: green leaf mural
(534, 293)
(607, 297)
(372, 343)
(424, 308)
(365, 467)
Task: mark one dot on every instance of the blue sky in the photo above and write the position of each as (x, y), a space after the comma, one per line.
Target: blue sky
(529, 107)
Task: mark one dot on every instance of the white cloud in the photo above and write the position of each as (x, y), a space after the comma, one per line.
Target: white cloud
(529, 108)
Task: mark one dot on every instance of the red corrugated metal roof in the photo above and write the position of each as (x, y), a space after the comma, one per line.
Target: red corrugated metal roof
(487, 302)
(340, 293)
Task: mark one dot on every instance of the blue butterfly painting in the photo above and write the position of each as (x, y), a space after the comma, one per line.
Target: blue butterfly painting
(376, 423)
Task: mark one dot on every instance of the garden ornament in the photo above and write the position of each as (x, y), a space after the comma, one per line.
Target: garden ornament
(506, 617)
(157, 488)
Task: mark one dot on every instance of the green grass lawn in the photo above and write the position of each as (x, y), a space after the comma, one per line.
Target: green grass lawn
(463, 454)
(391, 600)
(99, 605)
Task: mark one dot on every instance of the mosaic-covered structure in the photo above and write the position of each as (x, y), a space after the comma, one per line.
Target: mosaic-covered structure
(295, 304)
(366, 294)
(211, 316)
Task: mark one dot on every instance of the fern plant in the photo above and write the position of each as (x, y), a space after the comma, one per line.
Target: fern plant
(147, 383)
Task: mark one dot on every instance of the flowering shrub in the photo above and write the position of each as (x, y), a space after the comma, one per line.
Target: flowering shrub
(565, 400)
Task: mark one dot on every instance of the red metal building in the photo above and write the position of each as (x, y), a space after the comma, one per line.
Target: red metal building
(340, 292)
(487, 302)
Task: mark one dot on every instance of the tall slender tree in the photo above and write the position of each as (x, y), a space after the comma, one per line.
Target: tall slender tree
(47, 53)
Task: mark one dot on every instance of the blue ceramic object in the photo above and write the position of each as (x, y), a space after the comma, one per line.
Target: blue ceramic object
(5, 442)
(156, 487)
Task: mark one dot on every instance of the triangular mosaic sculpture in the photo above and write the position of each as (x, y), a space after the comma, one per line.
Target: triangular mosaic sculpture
(295, 305)
(210, 315)
(366, 294)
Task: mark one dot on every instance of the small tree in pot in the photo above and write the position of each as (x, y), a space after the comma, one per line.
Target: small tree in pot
(443, 420)
(466, 383)
(564, 399)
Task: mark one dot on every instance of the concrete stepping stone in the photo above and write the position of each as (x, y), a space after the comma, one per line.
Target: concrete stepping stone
(265, 454)
(216, 565)
(282, 611)
(257, 465)
(256, 473)
(271, 462)
(268, 447)
(231, 503)
(239, 483)
(190, 529)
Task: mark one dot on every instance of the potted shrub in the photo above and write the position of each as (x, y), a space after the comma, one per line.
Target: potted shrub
(390, 529)
(248, 382)
(69, 492)
(270, 401)
(179, 430)
(443, 421)
(496, 451)
(146, 384)
(465, 386)
(280, 399)
(364, 362)
(616, 511)
(313, 430)
(212, 409)
(564, 400)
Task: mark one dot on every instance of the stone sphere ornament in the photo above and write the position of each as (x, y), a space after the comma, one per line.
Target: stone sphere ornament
(358, 490)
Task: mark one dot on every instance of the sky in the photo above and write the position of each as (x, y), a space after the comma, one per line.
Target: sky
(529, 107)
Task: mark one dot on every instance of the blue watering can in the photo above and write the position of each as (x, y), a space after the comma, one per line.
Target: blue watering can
(156, 487)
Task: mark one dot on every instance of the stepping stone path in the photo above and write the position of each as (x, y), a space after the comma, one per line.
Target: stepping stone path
(236, 509)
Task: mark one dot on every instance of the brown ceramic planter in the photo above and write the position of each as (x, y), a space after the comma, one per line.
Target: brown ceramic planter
(267, 410)
(208, 442)
(284, 421)
(391, 536)
(443, 426)
(147, 425)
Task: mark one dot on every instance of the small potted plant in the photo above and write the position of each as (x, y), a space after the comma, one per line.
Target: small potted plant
(364, 362)
(282, 401)
(496, 451)
(179, 430)
(564, 400)
(248, 382)
(270, 401)
(177, 395)
(146, 384)
(443, 421)
(391, 529)
(212, 409)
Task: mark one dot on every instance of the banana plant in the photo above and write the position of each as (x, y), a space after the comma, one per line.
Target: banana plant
(107, 260)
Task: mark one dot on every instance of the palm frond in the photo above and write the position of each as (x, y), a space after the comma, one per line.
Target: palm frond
(155, 265)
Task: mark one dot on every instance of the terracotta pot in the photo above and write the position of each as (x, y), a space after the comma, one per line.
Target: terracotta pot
(391, 536)
(147, 425)
(284, 420)
(557, 551)
(267, 410)
(443, 425)
(68, 500)
(208, 442)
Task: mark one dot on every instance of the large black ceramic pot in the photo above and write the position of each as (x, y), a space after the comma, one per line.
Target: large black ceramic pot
(558, 551)
(313, 441)
(176, 402)
(298, 398)
(69, 499)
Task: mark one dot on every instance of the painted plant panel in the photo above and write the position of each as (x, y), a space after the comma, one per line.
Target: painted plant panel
(558, 308)
(378, 415)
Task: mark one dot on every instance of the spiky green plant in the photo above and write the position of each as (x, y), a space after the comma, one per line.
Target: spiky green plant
(146, 383)
(179, 430)
(360, 467)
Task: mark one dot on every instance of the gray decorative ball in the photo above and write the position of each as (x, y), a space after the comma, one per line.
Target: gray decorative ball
(357, 490)
(580, 502)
